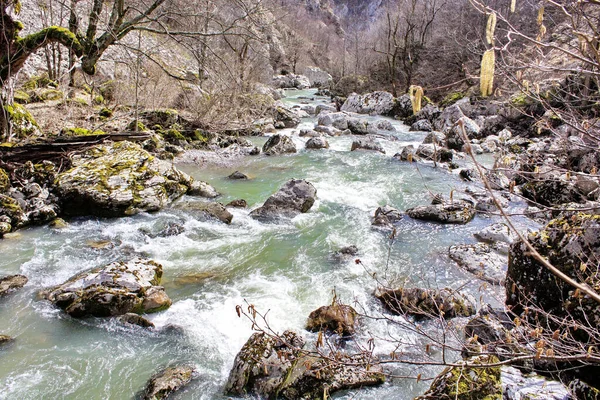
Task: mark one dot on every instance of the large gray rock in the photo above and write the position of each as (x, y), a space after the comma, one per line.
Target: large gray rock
(430, 151)
(119, 179)
(270, 367)
(481, 260)
(279, 144)
(116, 289)
(427, 303)
(295, 197)
(317, 77)
(168, 381)
(207, 209)
(202, 189)
(376, 103)
(11, 283)
(367, 144)
(458, 212)
(455, 137)
(408, 153)
(317, 143)
(291, 81)
(338, 120)
(284, 116)
(518, 386)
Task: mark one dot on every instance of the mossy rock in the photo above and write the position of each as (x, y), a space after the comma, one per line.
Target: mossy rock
(80, 132)
(4, 181)
(76, 101)
(107, 90)
(22, 97)
(11, 208)
(173, 135)
(38, 82)
(99, 99)
(22, 122)
(165, 118)
(140, 126)
(105, 112)
(48, 95)
(467, 383)
(452, 98)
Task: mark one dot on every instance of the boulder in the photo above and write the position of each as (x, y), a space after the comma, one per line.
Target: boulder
(168, 381)
(434, 153)
(292, 81)
(274, 367)
(207, 209)
(285, 116)
(446, 120)
(237, 175)
(13, 214)
(119, 179)
(295, 197)
(408, 153)
(385, 125)
(4, 181)
(317, 77)
(376, 103)
(458, 212)
(11, 283)
(369, 144)
(435, 137)
(324, 108)
(330, 130)
(386, 215)
(467, 383)
(551, 192)
(338, 120)
(337, 318)
(518, 386)
(481, 260)
(202, 189)
(402, 107)
(317, 143)
(309, 133)
(490, 327)
(499, 232)
(454, 136)
(162, 229)
(346, 252)
(421, 125)
(116, 289)
(279, 144)
(358, 126)
(427, 303)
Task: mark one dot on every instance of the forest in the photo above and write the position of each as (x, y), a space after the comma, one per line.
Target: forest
(299, 199)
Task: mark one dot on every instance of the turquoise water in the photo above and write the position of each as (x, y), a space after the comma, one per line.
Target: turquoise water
(284, 268)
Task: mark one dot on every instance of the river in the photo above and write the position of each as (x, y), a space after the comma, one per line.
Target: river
(211, 267)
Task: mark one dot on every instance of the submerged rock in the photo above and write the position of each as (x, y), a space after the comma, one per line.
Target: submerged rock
(237, 175)
(337, 318)
(119, 179)
(11, 283)
(116, 289)
(408, 153)
(295, 197)
(5, 339)
(449, 213)
(346, 252)
(207, 209)
(427, 303)
(279, 144)
(271, 367)
(135, 319)
(481, 260)
(238, 203)
(386, 215)
(168, 381)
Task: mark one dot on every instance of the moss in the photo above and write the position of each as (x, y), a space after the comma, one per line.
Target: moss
(520, 100)
(173, 134)
(22, 122)
(80, 132)
(452, 98)
(77, 101)
(49, 95)
(38, 82)
(4, 181)
(99, 99)
(200, 136)
(105, 112)
(107, 90)
(22, 97)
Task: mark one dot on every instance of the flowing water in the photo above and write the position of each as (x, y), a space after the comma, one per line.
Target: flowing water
(285, 268)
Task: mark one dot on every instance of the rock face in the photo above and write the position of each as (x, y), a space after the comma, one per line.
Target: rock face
(295, 197)
(427, 303)
(317, 77)
(367, 144)
(115, 289)
(481, 260)
(119, 179)
(279, 144)
(450, 213)
(572, 244)
(11, 283)
(337, 318)
(271, 368)
(317, 143)
(376, 103)
(168, 381)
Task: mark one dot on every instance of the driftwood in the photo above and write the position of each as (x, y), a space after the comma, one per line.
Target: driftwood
(60, 147)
